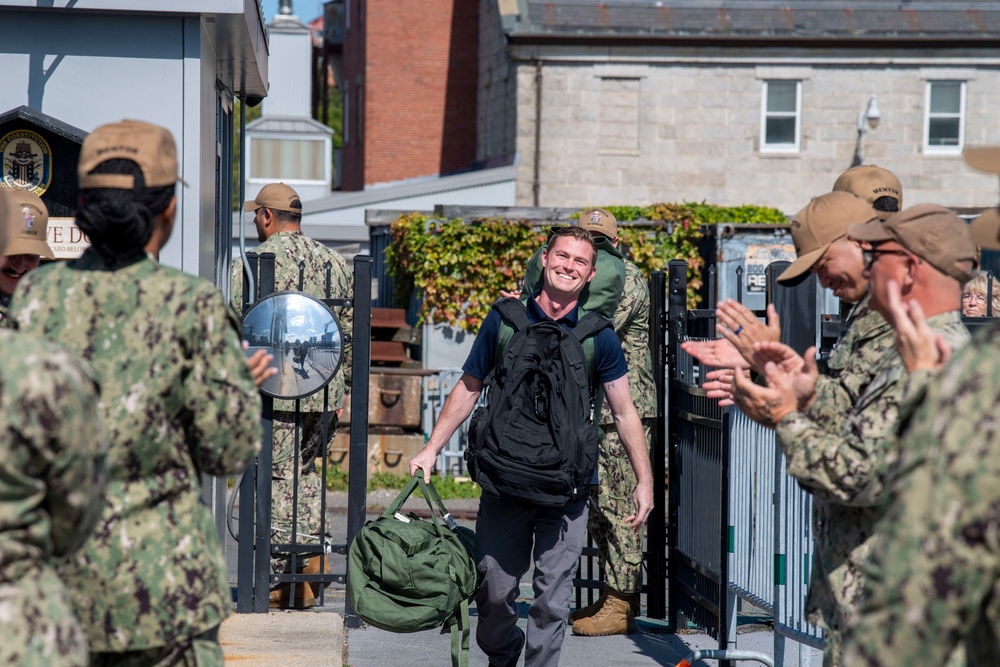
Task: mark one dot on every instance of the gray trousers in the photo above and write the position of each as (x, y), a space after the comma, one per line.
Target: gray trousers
(509, 535)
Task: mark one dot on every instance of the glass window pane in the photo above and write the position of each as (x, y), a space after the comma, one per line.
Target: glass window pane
(781, 96)
(780, 131)
(942, 132)
(287, 159)
(946, 97)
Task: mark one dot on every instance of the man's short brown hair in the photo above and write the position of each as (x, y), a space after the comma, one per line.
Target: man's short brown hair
(576, 233)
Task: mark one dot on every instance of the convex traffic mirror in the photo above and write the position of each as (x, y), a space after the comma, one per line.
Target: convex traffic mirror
(303, 335)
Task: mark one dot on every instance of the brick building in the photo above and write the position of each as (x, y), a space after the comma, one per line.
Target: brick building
(408, 77)
(634, 102)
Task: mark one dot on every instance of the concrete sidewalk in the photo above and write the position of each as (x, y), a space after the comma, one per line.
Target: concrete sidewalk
(317, 637)
(284, 638)
(648, 647)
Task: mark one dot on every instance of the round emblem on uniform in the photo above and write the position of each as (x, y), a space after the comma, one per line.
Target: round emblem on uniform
(27, 161)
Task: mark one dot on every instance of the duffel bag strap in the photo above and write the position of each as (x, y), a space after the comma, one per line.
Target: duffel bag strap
(432, 495)
(428, 490)
(460, 646)
(397, 504)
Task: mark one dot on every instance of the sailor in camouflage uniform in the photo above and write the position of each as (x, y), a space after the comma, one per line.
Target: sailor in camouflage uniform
(836, 260)
(27, 229)
(619, 544)
(928, 251)
(51, 489)
(934, 576)
(277, 216)
(178, 401)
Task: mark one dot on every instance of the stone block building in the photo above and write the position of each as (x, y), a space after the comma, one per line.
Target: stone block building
(630, 102)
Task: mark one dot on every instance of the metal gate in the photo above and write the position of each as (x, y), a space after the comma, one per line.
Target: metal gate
(727, 484)
(254, 579)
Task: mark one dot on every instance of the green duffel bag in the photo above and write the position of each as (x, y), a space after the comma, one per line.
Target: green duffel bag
(406, 574)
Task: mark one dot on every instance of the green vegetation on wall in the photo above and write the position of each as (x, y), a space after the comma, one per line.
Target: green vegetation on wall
(458, 267)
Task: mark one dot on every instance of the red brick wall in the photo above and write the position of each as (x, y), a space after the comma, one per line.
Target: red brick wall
(420, 63)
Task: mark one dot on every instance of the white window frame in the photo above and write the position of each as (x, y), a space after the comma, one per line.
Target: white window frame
(327, 167)
(944, 150)
(764, 115)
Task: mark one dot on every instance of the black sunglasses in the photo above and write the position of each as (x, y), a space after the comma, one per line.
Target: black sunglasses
(869, 256)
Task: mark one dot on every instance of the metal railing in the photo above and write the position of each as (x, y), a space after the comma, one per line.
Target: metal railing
(740, 527)
(255, 546)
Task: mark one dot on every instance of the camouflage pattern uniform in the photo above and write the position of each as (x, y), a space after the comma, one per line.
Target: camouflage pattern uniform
(845, 375)
(52, 489)
(291, 248)
(178, 401)
(611, 498)
(934, 575)
(4, 307)
(846, 472)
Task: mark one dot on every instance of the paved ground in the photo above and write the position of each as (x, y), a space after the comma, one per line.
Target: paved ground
(317, 636)
(284, 638)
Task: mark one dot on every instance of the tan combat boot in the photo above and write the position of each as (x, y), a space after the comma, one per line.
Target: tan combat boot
(305, 596)
(590, 610)
(615, 617)
(633, 604)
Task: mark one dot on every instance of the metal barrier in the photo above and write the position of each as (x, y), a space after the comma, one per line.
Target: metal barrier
(740, 527)
(254, 578)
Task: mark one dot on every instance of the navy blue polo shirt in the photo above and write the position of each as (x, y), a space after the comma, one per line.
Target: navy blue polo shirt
(610, 360)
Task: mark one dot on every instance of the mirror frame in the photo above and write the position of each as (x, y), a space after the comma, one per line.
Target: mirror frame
(336, 322)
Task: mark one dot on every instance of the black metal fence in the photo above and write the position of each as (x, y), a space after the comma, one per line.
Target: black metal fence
(701, 531)
(255, 548)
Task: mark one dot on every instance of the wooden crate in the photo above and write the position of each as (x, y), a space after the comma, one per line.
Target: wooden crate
(394, 399)
(387, 452)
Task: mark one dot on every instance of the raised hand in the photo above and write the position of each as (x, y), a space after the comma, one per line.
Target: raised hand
(801, 373)
(742, 329)
(918, 345)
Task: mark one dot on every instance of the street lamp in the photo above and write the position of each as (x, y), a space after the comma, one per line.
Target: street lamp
(867, 118)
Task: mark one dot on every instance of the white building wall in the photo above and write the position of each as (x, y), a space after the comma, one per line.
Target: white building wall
(290, 91)
(89, 69)
(696, 129)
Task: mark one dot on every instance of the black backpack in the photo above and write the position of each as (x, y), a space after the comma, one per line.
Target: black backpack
(535, 440)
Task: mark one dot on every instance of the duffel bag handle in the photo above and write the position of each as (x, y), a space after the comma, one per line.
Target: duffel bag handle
(430, 495)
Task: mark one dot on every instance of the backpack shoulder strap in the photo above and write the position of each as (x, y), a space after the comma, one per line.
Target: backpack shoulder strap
(513, 312)
(590, 325)
(587, 327)
(513, 318)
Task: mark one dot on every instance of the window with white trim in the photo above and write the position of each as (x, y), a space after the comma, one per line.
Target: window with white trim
(944, 117)
(781, 107)
(273, 158)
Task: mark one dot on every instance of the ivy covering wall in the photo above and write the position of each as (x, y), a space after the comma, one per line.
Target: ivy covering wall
(458, 267)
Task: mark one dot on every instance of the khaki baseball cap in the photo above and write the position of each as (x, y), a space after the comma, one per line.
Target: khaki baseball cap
(985, 229)
(870, 183)
(817, 226)
(277, 197)
(150, 146)
(933, 233)
(28, 225)
(599, 221)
